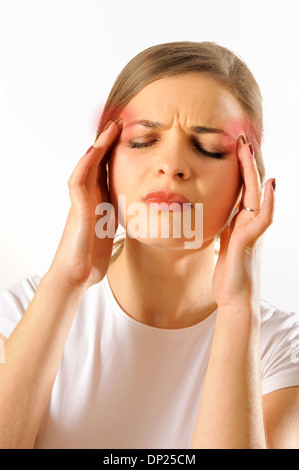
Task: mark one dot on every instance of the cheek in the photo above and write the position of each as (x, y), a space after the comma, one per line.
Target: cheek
(124, 174)
(221, 198)
(229, 183)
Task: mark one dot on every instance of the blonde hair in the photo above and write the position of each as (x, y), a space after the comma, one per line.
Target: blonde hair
(174, 58)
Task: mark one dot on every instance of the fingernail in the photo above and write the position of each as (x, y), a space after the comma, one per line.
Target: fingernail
(242, 138)
(274, 184)
(107, 126)
(119, 122)
(251, 150)
(90, 149)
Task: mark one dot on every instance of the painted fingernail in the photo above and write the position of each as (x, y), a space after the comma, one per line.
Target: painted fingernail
(119, 122)
(274, 184)
(109, 123)
(251, 150)
(89, 150)
(242, 138)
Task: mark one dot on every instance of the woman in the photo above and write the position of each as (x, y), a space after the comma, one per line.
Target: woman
(158, 348)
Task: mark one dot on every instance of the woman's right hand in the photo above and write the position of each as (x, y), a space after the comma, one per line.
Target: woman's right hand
(82, 259)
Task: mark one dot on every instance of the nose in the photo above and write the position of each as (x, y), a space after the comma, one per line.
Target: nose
(173, 162)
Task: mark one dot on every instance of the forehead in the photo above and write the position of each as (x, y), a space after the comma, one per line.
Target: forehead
(190, 98)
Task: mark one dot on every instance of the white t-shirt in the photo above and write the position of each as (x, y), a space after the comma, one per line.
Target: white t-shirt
(123, 384)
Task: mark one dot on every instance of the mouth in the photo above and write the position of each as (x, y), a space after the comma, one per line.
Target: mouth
(167, 200)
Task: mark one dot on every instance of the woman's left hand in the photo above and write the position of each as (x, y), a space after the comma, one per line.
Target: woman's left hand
(237, 273)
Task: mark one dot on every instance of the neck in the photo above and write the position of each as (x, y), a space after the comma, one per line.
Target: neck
(165, 288)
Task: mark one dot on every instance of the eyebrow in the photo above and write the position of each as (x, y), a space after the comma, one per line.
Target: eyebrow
(160, 125)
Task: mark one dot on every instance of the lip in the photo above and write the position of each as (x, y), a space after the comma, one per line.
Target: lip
(165, 196)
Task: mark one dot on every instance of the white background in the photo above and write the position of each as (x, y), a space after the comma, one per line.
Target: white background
(58, 61)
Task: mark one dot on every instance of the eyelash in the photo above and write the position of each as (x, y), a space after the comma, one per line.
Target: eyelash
(139, 145)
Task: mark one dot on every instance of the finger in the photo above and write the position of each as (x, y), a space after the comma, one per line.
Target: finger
(252, 188)
(224, 240)
(266, 215)
(94, 155)
(98, 171)
(107, 143)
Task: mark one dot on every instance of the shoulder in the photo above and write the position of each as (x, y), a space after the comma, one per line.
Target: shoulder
(14, 301)
(277, 323)
(274, 313)
(19, 293)
(280, 375)
(279, 347)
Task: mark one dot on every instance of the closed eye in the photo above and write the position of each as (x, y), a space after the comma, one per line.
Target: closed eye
(218, 155)
(198, 148)
(139, 145)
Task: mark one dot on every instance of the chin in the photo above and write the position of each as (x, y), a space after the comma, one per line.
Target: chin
(169, 243)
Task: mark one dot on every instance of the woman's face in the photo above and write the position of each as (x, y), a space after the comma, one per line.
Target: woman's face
(191, 151)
